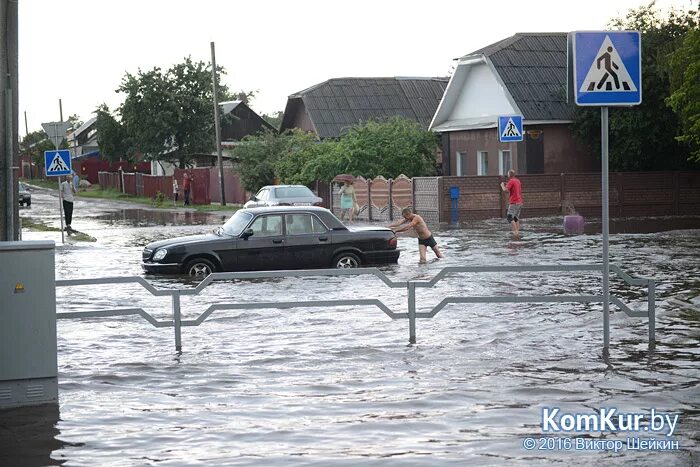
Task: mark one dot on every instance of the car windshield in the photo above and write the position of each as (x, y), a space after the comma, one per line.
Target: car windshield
(235, 225)
(294, 192)
(22, 187)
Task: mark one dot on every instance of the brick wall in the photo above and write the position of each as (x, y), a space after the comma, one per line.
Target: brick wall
(634, 194)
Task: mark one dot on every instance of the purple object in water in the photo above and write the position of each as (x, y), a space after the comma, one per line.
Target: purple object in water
(573, 225)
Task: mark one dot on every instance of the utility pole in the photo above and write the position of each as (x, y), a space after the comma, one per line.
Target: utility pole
(26, 133)
(9, 208)
(217, 125)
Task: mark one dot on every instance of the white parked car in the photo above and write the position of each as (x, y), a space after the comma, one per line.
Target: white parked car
(284, 195)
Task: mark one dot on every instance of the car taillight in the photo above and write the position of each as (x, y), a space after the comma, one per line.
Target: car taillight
(392, 242)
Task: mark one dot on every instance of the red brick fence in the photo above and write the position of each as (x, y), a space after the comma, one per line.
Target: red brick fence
(632, 194)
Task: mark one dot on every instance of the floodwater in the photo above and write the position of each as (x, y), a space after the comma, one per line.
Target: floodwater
(342, 386)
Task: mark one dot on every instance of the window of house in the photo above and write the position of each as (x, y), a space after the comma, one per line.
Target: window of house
(461, 164)
(482, 163)
(505, 162)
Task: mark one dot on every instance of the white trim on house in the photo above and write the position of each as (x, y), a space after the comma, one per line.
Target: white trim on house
(485, 124)
(474, 98)
(482, 162)
(460, 159)
(501, 166)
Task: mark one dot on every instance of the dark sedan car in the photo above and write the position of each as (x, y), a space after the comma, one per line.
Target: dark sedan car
(290, 237)
(24, 196)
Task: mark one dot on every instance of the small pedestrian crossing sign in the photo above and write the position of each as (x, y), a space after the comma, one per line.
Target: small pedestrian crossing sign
(57, 163)
(510, 128)
(607, 68)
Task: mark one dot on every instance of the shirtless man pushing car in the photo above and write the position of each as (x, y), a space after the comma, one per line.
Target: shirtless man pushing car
(425, 237)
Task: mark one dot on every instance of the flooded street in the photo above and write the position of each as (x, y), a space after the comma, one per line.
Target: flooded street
(342, 386)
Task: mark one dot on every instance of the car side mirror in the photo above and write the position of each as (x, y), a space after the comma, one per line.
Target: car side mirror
(254, 198)
(247, 233)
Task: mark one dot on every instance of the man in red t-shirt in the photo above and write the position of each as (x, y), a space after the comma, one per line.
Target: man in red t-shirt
(515, 200)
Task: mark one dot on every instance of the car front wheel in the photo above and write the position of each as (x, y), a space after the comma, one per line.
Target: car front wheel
(346, 260)
(199, 268)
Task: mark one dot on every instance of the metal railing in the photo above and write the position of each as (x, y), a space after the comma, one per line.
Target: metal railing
(412, 314)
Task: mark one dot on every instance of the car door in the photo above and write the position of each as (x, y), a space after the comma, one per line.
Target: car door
(264, 249)
(307, 241)
(227, 250)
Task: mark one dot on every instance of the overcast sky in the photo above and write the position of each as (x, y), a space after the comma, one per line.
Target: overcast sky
(79, 50)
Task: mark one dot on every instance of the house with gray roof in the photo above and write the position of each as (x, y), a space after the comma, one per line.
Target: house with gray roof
(524, 75)
(329, 108)
(240, 121)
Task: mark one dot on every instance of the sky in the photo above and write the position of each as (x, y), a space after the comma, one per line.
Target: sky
(78, 51)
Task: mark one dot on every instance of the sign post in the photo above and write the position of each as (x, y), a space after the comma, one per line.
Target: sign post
(607, 72)
(57, 163)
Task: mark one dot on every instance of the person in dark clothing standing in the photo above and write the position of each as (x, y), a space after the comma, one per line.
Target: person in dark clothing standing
(66, 193)
(187, 187)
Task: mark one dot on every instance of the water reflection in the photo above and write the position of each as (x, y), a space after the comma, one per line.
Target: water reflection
(28, 436)
(321, 386)
(152, 217)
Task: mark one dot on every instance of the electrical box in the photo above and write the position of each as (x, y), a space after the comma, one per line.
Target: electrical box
(28, 363)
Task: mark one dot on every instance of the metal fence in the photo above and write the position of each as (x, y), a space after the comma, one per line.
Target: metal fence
(411, 313)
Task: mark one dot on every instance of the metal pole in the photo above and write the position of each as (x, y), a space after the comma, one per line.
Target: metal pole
(60, 209)
(177, 321)
(217, 126)
(10, 223)
(60, 110)
(60, 196)
(9, 209)
(26, 133)
(606, 228)
(652, 314)
(411, 312)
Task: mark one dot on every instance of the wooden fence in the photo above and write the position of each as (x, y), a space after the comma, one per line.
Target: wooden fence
(205, 185)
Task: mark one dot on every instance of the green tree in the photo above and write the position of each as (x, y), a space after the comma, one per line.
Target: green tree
(274, 118)
(36, 143)
(301, 150)
(255, 158)
(111, 136)
(389, 148)
(75, 122)
(169, 115)
(643, 137)
(685, 83)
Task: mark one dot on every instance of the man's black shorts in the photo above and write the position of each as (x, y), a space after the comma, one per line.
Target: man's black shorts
(430, 241)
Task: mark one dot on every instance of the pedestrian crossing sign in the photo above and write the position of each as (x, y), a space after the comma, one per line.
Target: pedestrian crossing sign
(510, 128)
(607, 68)
(57, 163)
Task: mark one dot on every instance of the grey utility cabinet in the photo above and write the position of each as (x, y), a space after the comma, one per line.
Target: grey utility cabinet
(28, 366)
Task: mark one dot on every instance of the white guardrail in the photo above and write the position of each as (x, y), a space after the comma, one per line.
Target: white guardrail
(411, 315)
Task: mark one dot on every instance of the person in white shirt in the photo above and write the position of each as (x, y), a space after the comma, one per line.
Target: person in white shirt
(66, 193)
